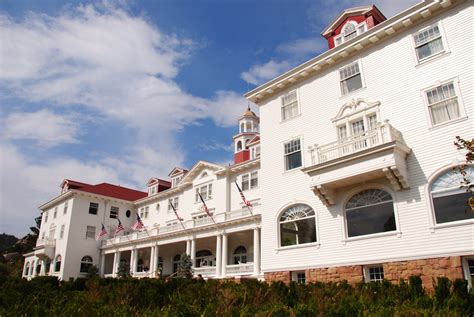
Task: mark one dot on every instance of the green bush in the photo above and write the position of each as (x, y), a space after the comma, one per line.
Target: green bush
(46, 296)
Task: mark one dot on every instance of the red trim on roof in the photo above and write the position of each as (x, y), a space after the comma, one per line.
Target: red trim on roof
(106, 189)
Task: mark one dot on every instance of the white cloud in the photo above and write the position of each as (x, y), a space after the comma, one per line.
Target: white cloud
(44, 127)
(260, 73)
(303, 47)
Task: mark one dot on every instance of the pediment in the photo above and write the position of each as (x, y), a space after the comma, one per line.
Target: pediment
(355, 106)
(177, 171)
(199, 169)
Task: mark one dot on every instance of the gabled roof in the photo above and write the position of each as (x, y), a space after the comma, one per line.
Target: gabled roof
(254, 141)
(347, 13)
(200, 165)
(177, 171)
(155, 180)
(106, 189)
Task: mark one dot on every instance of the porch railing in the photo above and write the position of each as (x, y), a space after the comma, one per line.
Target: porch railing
(383, 133)
(46, 242)
(240, 268)
(205, 271)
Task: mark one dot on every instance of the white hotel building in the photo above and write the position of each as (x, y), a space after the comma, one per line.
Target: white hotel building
(355, 179)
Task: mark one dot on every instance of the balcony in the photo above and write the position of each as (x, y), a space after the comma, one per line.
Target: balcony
(205, 271)
(378, 153)
(45, 248)
(240, 269)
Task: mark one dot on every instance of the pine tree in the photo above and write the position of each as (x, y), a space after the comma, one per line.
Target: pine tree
(185, 269)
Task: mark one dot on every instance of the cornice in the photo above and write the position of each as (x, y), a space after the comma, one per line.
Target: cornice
(388, 29)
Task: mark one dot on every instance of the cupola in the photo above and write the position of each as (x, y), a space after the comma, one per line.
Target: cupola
(248, 130)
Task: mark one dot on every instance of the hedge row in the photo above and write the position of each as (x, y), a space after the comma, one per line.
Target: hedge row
(46, 296)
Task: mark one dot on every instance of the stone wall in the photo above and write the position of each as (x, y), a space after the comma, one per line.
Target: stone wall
(427, 269)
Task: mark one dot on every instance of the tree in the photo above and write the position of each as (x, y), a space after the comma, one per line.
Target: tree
(185, 269)
(123, 269)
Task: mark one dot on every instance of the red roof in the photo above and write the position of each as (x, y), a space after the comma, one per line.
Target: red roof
(109, 190)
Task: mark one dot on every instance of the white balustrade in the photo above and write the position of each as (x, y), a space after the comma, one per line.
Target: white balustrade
(237, 269)
(205, 271)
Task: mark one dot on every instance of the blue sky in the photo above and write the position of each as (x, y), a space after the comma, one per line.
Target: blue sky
(121, 91)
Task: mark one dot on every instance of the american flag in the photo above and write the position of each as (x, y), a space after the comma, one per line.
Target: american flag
(119, 227)
(139, 224)
(175, 212)
(246, 202)
(102, 233)
(204, 205)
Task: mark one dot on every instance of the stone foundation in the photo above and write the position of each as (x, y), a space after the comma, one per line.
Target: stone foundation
(427, 269)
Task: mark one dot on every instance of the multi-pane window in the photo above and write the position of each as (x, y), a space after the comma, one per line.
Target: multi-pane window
(372, 121)
(114, 212)
(55, 212)
(374, 274)
(46, 216)
(205, 191)
(240, 255)
(428, 42)
(370, 211)
(65, 208)
(254, 179)
(245, 182)
(350, 31)
(301, 277)
(468, 267)
(144, 212)
(90, 232)
(86, 264)
(443, 103)
(93, 208)
(61, 233)
(289, 105)
(450, 201)
(297, 225)
(57, 263)
(350, 78)
(255, 153)
(249, 181)
(175, 202)
(292, 154)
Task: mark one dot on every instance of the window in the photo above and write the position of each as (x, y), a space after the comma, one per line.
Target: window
(152, 190)
(239, 146)
(176, 261)
(240, 255)
(443, 103)
(450, 200)
(175, 202)
(144, 212)
(373, 273)
(175, 181)
(205, 191)
(128, 213)
(428, 42)
(27, 268)
(61, 233)
(43, 235)
(48, 266)
(350, 78)
(289, 105)
(38, 267)
(350, 31)
(55, 212)
(250, 181)
(370, 211)
(65, 208)
(293, 154)
(297, 225)
(245, 182)
(46, 217)
(468, 268)
(114, 212)
(254, 180)
(57, 263)
(86, 264)
(90, 232)
(298, 277)
(204, 258)
(93, 208)
(255, 152)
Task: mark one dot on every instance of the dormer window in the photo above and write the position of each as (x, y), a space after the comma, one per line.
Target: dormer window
(349, 31)
(175, 181)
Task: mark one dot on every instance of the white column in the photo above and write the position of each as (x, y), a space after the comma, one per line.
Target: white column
(43, 268)
(193, 252)
(224, 255)
(102, 264)
(151, 270)
(157, 260)
(256, 252)
(188, 247)
(132, 260)
(218, 255)
(116, 263)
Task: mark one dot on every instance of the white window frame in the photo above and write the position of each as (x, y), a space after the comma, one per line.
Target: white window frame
(112, 214)
(61, 232)
(442, 35)
(144, 212)
(367, 269)
(286, 154)
(97, 210)
(45, 217)
(362, 84)
(298, 277)
(65, 207)
(283, 106)
(175, 201)
(90, 234)
(466, 271)
(462, 113)
(55, 213)
(357, 28)
(199, 188)
(249, 181)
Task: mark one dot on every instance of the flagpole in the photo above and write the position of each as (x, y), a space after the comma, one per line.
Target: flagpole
(177, 216)
(242, 196)
(205, 208)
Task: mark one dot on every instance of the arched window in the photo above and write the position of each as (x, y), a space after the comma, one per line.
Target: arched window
(248, 126)
(27, 268)
(450, 200)
(86, 263)
(176, 261)
(239, 146)
(38, 267)
(240, 255)
(370, 211)
(297, 225)
(349, 31)
(57, 263)
(242, 127)
(204, 258)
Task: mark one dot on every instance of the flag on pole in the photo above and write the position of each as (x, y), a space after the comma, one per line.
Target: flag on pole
(204, 205)
(102, 233)
(175, 212)
(246, 202)
(119, 227)
(139, 224)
